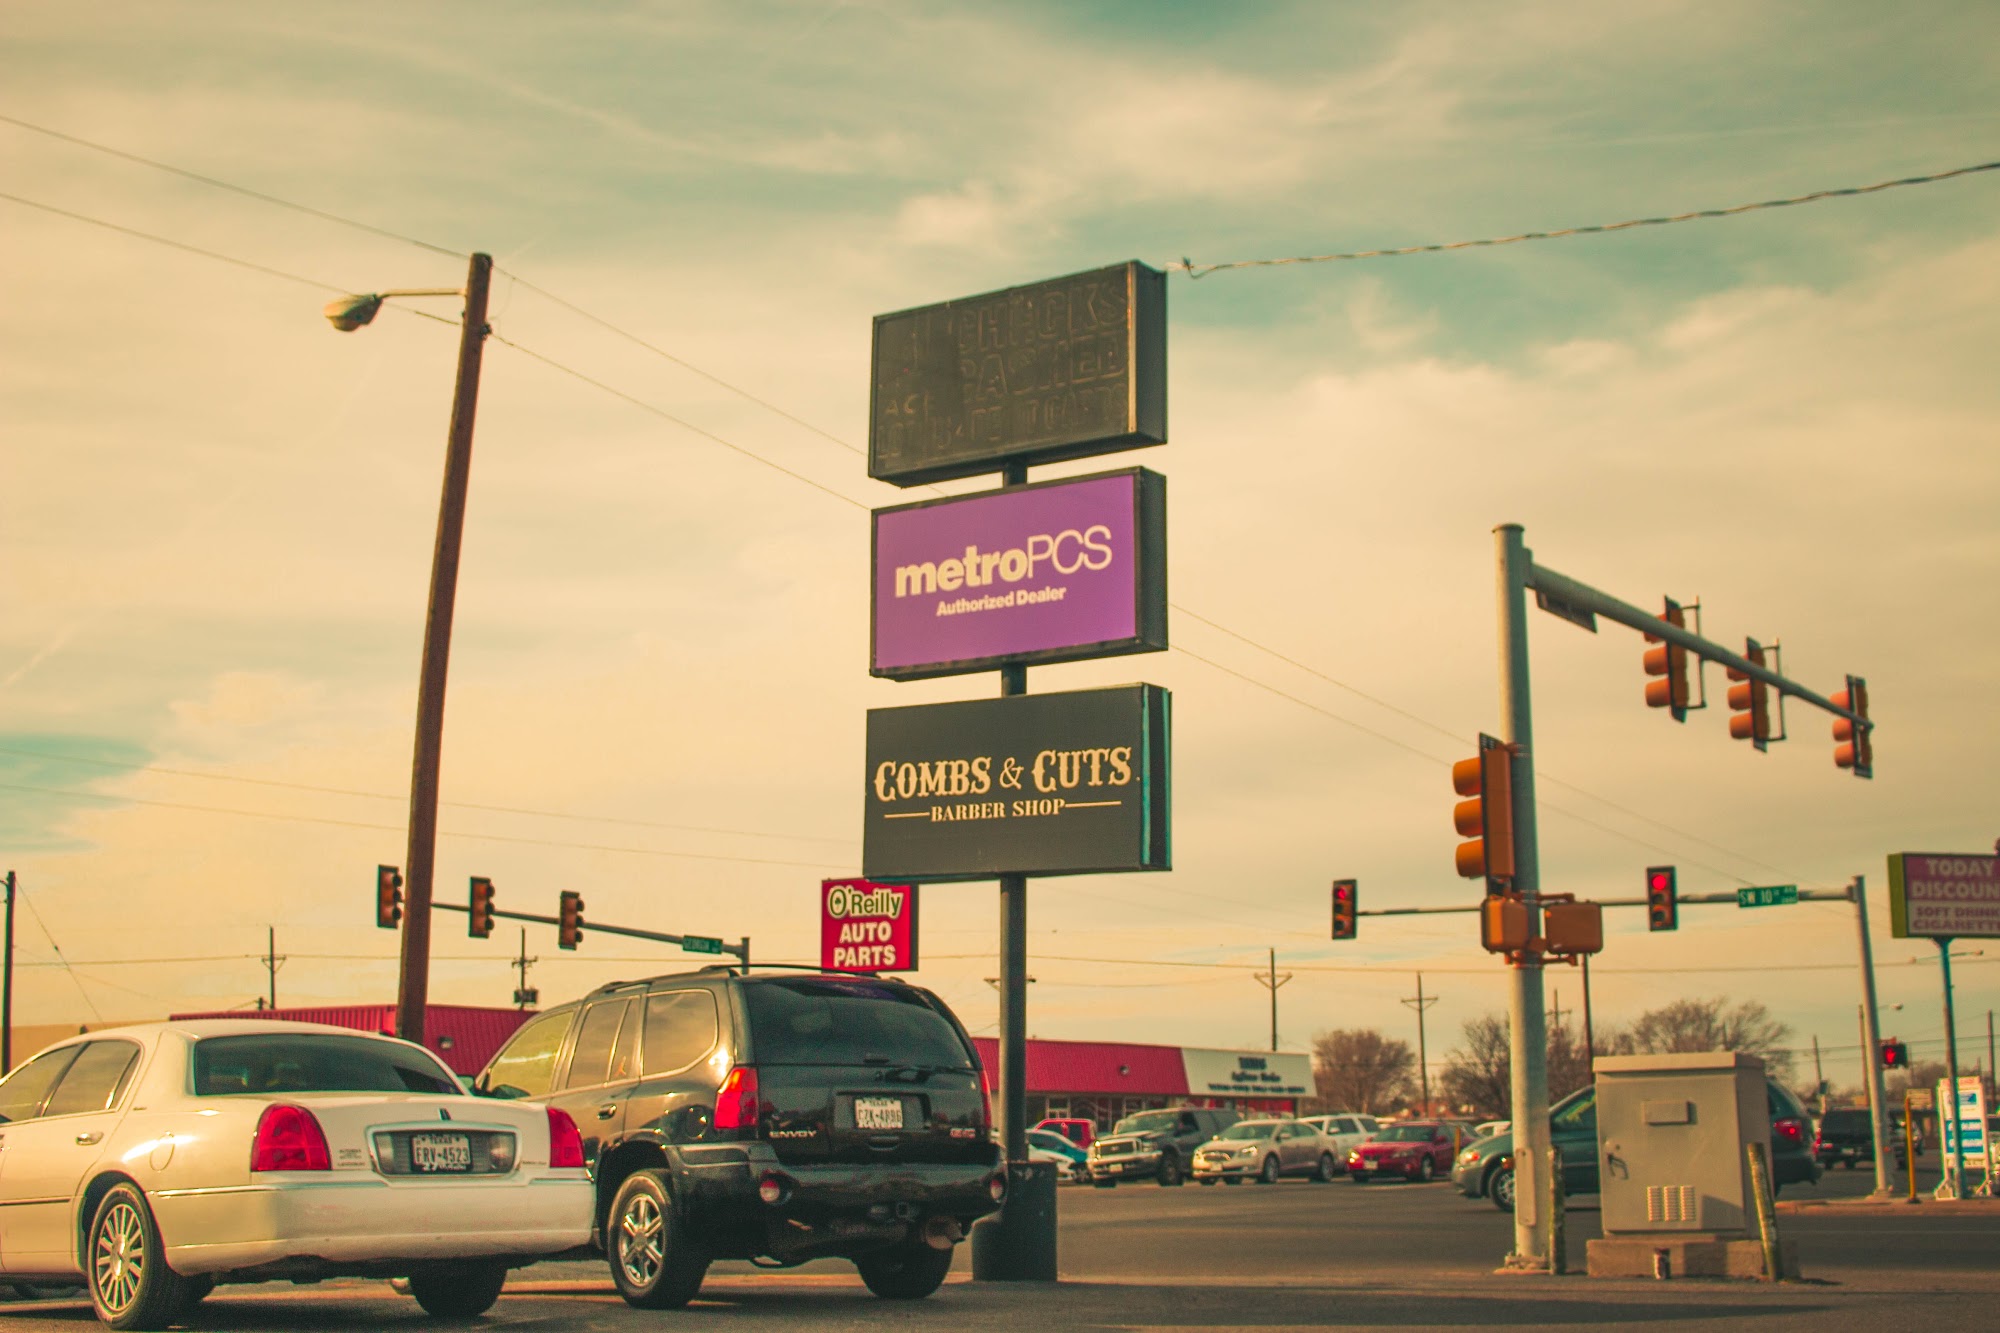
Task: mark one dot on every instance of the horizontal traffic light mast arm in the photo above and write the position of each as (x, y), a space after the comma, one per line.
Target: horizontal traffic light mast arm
(1562, 588)
(1728, 897)
(590, 927)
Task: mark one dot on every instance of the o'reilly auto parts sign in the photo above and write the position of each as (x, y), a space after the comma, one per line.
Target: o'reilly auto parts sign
(1036, 784)
(1045, 573)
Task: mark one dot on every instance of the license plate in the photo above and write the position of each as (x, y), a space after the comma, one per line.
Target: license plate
(440, 1152)
(878, 1112)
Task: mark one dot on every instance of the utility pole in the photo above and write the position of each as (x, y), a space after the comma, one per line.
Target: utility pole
(271, 963)
(414, 973)
(7, 989)
(1421, 1003)
(1589, 1036)
(524, 995)
(1871, 1041)
(1819, 1076)
(1272, 980)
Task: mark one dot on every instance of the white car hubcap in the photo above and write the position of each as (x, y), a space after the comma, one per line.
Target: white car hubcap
(118, 1262)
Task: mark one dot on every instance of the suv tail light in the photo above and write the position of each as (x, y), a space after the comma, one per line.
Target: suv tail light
(985, 1101)
(289, 1139)
(1789, 1129)
(565, 1144)
(736, 1102)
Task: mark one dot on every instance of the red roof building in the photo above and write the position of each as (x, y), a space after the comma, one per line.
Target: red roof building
(1102, 1080)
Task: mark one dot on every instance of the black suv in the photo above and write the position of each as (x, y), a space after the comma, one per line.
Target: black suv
(1847, 1134)
(779, 1117)
(1159, 1144)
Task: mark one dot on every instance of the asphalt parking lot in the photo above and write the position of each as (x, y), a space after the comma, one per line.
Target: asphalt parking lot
(1297, 1254)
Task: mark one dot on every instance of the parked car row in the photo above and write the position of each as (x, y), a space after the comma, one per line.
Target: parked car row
(666, 1123)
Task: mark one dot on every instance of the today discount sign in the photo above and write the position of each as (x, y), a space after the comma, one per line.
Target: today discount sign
(867, 927)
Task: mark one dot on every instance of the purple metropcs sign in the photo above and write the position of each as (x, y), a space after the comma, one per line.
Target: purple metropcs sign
(1050, 572)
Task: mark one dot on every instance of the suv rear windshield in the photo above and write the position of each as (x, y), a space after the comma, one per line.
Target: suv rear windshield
(311, 1062)
(1847, 1122)
(827, 1021)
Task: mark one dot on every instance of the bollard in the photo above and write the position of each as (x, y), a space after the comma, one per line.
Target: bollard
(1018, 1244)
(1767, 1216)
(1558, 1216)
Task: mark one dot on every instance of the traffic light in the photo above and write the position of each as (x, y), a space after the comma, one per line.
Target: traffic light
(1345, 896)
(1856, 749)
(1488, 818)
(1669, 662)
(1895, 1055)
(1663, 909)
(1750, 701)
(569, 925)
(479, 914)
(388, 896)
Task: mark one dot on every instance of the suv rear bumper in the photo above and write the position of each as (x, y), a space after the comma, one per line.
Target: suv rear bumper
(723, 1184)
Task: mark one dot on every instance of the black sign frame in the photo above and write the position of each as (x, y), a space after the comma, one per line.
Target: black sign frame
(1070, 782)
(1065, 368)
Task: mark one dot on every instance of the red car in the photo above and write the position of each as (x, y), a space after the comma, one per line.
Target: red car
(1415, 1150)
(1079, 1132)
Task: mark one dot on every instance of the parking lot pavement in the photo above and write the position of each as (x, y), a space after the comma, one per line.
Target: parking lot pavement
(1296, 1255)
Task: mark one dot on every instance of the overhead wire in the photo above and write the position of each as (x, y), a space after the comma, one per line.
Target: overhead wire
(1187, 265)
(1197, 271)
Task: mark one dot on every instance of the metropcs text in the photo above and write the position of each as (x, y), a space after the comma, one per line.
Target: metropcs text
(1049, 772)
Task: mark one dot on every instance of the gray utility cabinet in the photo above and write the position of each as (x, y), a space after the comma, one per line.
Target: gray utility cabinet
(1671, 1130)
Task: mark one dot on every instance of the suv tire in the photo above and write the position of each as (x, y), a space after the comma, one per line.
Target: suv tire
(906, 1272)
(1170, 1172)
(1327, 1169)
(1500, 1189)
(459, 1289)
(653, 1264)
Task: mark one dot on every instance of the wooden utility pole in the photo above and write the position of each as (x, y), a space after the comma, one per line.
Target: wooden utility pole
(1272, 980)
(1421, 1003)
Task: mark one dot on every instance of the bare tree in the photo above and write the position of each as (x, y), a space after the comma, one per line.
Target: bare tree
(1477, 1075)
(1716, 1025)
(1361, 1070)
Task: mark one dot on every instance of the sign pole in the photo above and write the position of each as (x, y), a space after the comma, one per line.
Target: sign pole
(1948, 1126)
(1528, 1024)
(1871, 1043)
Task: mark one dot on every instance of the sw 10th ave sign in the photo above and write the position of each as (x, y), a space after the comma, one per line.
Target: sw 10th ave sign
(1944, 895)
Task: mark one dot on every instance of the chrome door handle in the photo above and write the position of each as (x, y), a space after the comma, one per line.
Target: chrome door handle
(606, 1111)
(90, 1137)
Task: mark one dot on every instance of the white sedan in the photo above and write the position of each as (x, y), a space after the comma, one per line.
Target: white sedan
(152, 1162)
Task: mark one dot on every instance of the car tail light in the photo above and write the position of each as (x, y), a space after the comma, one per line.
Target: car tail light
(1790, 1129)
(996, 1186)
(736, 1103)
(774, 1189)
(565, 1144)
(985, 1101)
(289, 1139)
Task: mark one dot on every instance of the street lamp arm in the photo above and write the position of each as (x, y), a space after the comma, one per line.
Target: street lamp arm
(348, 313)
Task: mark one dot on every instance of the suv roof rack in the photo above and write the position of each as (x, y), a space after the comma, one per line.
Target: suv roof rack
(740, 968)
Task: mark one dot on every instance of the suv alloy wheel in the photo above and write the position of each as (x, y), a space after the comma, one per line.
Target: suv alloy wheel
(654, 1266)
(1170, 1172)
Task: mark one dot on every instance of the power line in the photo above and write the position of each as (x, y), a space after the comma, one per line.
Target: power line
(1194, 270)
(233, 188)
(390, 796)
(21, 896)
(220, 258)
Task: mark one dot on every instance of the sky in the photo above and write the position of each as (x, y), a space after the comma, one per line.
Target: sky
(217, 514)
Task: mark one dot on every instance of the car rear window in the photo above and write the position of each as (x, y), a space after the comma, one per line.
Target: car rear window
(1846, 1122)
(817, 1020)
(267, 1063)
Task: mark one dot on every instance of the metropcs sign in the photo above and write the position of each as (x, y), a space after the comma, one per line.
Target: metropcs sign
(867, 927)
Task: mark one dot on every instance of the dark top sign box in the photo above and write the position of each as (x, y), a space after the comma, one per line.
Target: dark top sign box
(1060, 369)
(1053, 572)
(1033, 784)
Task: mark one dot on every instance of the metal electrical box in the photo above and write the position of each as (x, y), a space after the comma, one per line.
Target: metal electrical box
(1671, 1130)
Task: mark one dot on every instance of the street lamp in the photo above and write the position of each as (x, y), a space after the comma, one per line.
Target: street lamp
(347, 314)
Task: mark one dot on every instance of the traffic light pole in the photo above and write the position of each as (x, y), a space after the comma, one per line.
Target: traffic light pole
(740, 949)
(1527, 1023)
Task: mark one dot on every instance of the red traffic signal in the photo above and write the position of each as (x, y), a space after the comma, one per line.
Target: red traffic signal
(1895, 1055)
(1488, 818)
(1750, 701)
(1663, 911)
(479, 913)
(388, 896)
(1856, 748)
(1670, 662)
(1346, 894)
(569, 923)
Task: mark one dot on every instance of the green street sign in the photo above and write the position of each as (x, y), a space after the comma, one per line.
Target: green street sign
(700, 944)
(1770, 895)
